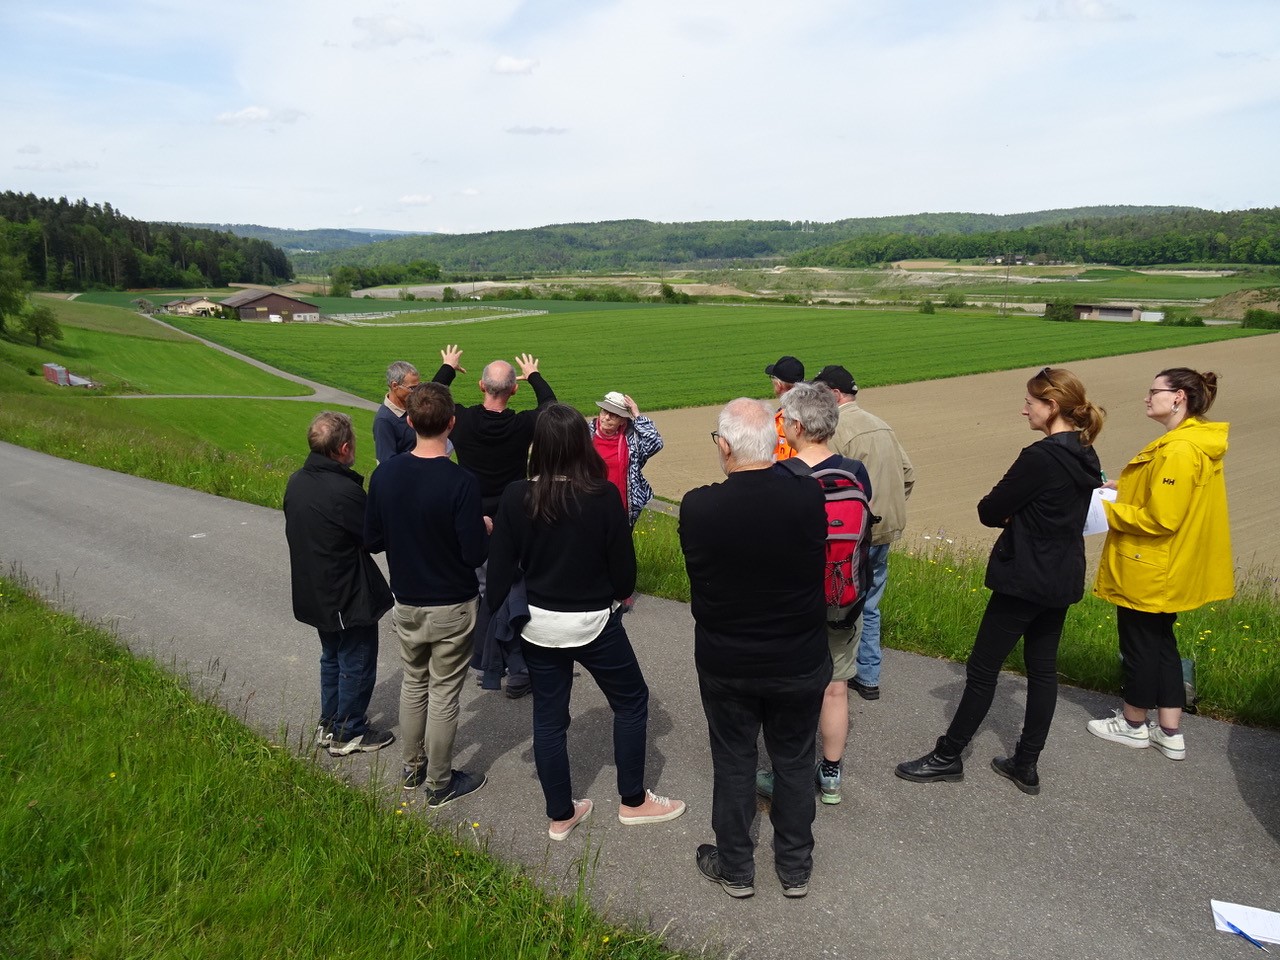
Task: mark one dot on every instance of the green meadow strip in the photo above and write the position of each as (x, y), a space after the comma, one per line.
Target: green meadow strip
(138, 821)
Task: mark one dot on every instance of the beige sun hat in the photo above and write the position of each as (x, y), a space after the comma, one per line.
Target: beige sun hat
(615, 403)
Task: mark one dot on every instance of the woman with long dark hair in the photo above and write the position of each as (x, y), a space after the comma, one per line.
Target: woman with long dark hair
(1168, 550)
(1036, 571)
(564, 530)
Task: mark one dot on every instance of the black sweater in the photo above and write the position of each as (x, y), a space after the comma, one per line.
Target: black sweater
(584, 561)
(1041, 502)
(495, 446)
(755, 549)
(425, 512)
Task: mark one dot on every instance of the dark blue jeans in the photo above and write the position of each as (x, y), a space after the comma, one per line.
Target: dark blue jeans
(787, 709)
(613, 665)
(348, 672)
(1005, 620)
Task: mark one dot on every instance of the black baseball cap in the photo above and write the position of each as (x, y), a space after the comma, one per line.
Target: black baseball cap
(838, 378)
(787, 369)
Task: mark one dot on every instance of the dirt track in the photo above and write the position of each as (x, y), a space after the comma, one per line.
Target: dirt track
(962, 434)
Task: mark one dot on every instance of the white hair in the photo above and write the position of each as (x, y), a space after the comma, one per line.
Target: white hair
(747, 426)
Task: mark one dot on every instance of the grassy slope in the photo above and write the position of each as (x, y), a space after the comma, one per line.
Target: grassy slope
(670, 357)
(183, 834)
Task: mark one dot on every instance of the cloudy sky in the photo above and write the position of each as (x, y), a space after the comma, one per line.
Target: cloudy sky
(494, 114)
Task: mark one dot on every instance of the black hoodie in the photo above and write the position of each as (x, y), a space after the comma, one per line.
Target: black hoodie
(1041, 502)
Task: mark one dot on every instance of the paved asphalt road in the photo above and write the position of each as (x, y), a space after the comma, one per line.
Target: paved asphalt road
(1117, 858)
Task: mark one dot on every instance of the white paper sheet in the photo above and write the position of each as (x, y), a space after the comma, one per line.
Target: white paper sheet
(1260, 924)
(1096, 520)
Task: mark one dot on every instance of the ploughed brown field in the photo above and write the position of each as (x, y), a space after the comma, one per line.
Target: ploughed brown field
(963, 433)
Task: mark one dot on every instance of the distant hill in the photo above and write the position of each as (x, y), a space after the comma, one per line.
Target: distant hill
(621, 245)
(1128, 237)
(311, 241)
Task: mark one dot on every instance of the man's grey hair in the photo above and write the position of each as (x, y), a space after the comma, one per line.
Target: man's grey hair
(747, 427)
(498, 379)
(399, 370)
(815, 408)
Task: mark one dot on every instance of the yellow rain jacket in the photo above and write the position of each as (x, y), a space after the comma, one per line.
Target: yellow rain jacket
(1168, 548)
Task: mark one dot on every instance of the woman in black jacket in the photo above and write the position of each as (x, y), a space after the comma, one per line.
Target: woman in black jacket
(565, 530)
(1036, 571)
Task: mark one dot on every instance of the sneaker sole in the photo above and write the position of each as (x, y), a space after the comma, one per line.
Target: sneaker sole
(1121, 739)
(830, 799)
(738, 893)
(653, 818)
(558, 837)
(943, 778)
(795, 893)
(1171, 752)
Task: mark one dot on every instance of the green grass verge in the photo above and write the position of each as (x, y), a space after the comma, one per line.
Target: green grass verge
(670, 357)
(173, 831)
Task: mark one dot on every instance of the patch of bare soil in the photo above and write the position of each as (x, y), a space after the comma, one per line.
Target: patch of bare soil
(963, 433)
(1232, 306)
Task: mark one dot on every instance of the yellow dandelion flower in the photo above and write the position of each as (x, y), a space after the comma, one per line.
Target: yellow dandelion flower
(399, 812)
(475, 823)
(604, 939)
(113, 774)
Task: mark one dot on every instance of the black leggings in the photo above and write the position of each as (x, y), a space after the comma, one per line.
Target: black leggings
(1005, 620)
(1152, 667)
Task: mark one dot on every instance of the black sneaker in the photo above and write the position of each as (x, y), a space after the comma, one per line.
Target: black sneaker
(709, 864)
(367, 742)
(867, 691)
(460, 784)
(412, 777)
(796, 890)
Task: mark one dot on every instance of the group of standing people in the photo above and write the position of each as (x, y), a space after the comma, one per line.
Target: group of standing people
(531, 532)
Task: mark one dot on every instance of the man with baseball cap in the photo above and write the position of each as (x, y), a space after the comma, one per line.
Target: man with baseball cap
(786, 373)
(863, 436)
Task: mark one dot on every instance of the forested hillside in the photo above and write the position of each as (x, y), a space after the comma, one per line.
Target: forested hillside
(641, 244)
(1183, 236)
(65, 245)
(306, 241)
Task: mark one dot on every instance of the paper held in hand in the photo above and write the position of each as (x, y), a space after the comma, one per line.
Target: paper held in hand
(1096, 520)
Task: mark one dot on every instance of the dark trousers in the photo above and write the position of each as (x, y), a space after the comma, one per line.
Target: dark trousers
(613, 665)
(787, 709)
(348, 672)
(1152, 667)
(1005, 620)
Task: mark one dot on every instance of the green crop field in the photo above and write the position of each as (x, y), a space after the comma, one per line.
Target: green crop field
(128, 354)
(473, 313)
(670, 357)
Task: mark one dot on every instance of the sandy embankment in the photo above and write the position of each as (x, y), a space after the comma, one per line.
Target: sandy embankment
(963, 433)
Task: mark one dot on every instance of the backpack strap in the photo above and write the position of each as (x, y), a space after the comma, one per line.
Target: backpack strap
(796, 466)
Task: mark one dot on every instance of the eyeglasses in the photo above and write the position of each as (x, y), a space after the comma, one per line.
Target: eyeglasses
(715, 436)
(1154, 390)
(1043, 374)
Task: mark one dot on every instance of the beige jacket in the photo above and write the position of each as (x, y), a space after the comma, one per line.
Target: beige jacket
(864, 436)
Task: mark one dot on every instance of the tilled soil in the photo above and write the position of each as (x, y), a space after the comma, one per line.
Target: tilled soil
(963, 433)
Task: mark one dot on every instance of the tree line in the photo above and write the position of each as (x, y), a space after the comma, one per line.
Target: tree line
(76, 245)
(1183, 236)
(624, 245)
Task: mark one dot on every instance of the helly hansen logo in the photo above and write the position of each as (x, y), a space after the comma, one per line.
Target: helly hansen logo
(1169, 481)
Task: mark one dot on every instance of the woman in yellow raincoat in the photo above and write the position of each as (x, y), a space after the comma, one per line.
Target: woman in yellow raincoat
(1168, 550)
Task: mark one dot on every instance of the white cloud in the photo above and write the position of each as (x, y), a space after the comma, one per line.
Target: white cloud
(385, 32)
(56, 166)
(469, 192)
(538, 131)
(29, 148)
(1095, 10)
(506, 64)
(250, 116)
(415, 199)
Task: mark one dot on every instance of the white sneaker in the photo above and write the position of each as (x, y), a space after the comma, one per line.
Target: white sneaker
(1117, 730)
(1175, 748)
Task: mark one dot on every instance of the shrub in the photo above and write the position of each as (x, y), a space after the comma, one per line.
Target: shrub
(927, 306)
(954, 299)
(1262, 319)
(1061, 311)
